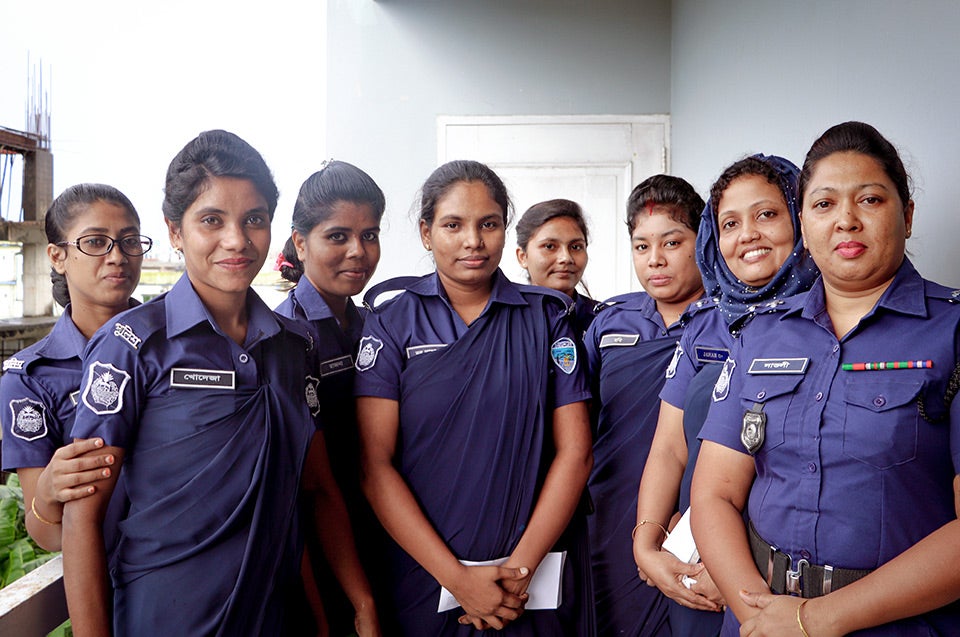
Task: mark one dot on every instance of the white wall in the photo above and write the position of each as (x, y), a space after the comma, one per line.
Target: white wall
(394, 66)
(771, 76)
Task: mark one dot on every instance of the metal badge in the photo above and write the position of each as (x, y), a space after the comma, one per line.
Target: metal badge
(753, 430)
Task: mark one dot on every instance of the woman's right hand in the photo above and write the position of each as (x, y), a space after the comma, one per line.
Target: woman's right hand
(485, 601)
(663, 570)
(70, 477)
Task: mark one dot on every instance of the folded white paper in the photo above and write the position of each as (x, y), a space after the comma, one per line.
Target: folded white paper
(544, 590)
(681, 543)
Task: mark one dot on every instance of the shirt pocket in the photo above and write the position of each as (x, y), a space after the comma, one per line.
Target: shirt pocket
(776, 393)
(881, 421)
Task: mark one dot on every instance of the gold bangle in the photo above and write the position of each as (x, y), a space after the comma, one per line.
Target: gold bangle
(633, 534)
(33, 508)
(799, 622)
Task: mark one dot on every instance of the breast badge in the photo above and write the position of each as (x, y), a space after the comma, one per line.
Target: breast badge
(753, 429)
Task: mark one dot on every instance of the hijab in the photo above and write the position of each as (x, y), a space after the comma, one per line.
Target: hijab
(738, 301)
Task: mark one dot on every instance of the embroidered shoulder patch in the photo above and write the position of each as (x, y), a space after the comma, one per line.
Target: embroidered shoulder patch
(564, 354)
(28, 418)
(313, 396)
(13, 363)
(104, 392)
(722, 387)
(370, 346)
(125, 332)
(672, 367)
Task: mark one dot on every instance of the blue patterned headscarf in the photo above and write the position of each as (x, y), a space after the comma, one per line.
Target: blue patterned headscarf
(739, 301)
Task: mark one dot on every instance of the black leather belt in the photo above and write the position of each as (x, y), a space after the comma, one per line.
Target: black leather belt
(803, 579)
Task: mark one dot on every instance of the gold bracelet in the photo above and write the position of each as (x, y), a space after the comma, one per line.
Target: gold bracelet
(633, 534)
(33, 507)
(799, 622)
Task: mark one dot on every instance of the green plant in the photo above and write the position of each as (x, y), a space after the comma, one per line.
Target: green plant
(19, 554)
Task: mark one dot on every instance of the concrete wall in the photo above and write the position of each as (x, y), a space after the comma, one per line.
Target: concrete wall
(394, 66)
(771, 76)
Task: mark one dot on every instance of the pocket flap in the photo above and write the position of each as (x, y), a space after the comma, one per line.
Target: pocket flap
(881, 395)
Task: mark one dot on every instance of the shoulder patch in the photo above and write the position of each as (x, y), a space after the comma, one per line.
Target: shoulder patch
(672, 367)
(722, 388)
(125, 333)
(313, 395)
(28, 419)
(13, 363)
(370, 346)
(104, 392)
(564, 354)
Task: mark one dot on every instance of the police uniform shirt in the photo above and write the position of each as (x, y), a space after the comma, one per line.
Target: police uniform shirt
(705, 340)
(846, 454)
(38, 396)
(421, 321)
(169, 351)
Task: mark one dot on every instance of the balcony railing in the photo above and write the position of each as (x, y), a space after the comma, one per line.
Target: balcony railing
(35, 604)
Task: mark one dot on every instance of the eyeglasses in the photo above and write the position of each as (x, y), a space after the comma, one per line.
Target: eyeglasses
(98, 245)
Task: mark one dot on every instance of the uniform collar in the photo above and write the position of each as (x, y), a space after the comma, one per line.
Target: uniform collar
(184, 310)
(504, 291)
(906, 295)
(65, 340)
(314, 307)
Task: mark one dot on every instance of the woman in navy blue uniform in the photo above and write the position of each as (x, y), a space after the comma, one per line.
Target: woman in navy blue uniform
(474, 427)
(331, 255)
(95, 250)
(203, 395)
(833, 423)
(552, 247)
(751, 255)
(628, 347)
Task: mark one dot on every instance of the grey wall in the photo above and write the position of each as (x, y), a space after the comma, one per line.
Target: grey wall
(393, 67)
(771, 76)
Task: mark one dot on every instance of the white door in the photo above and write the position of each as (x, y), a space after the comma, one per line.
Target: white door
(593, 160)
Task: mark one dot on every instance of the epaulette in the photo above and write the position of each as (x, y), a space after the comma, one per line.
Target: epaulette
(937, 291)
(372, 301)
(136, 328)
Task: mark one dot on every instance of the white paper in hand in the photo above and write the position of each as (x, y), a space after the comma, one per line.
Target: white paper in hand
(680, 542)
(544, 590)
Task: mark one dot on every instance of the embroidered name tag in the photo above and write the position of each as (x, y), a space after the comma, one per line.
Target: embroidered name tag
(619, 340)
(201, 378)
(778, 366)
(416, 350)
(711, 354)
(336, 365)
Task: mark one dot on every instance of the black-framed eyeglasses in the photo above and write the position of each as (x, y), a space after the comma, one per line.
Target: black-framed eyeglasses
(98, 245)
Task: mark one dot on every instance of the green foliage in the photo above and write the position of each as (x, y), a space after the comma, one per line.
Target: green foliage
(19, 554)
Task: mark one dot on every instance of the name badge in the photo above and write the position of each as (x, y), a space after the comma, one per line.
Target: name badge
(417, 350)
(336, 365)
(619, 340)
(201, 378)
(711, 354)
(778, 366)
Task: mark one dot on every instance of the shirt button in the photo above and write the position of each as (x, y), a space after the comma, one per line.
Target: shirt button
(761, 394)
(805, 554)
(812, 467)
(836, 348)
(819, 396)
(244, 358)
(879, 401)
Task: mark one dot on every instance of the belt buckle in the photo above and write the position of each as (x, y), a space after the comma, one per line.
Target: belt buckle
(794, 579)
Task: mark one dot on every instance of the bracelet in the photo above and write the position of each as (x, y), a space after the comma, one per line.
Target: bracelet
(633, 534)
(799, 622)
(33, 508)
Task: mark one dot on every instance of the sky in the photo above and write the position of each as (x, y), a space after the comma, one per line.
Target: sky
(131, 83)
